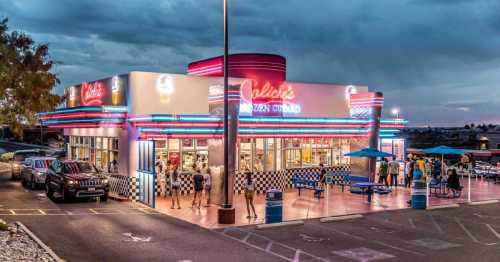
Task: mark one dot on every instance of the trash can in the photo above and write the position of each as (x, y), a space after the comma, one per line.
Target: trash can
(274, 206)
(418, 192)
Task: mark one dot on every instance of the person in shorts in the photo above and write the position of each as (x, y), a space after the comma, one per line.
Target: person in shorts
(174, 186)
(207, 182)
(249, 193)
(198, 186)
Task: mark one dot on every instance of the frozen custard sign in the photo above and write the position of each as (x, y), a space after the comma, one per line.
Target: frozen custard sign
(268, 99)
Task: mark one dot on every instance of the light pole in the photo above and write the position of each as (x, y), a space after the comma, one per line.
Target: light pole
(226, 214)
(395, 112)
(226, 203)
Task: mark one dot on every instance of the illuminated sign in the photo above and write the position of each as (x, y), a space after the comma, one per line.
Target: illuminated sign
(268, 100)
(165, 87)
(92, 93)
(269, 92)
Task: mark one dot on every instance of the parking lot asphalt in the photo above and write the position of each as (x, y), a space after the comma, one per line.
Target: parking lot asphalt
(468, 233)
(117, 231)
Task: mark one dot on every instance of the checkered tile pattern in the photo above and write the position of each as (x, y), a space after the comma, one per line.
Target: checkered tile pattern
(283, 179)
(163, 184)
(263, 180)
(134, 189)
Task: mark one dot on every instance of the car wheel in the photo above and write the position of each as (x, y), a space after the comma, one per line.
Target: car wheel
(48, 190)
(66, 196)
(104, 198)
(32, 183)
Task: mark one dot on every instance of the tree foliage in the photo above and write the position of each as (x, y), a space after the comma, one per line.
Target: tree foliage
(26, 80)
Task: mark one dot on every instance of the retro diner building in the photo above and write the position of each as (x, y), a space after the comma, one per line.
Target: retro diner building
(284, 127)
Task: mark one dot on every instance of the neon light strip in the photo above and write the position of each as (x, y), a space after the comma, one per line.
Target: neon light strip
(302, 120)
(181, 130)
(284, 125)
(90, 120)
(87, 125)
(164, 136)
(303, 130)
(110, 109)
(83, 115)
(177, 124)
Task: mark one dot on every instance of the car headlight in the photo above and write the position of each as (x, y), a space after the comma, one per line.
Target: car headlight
(16, 165)
(104, 181)
(38, 173)
(71, 182)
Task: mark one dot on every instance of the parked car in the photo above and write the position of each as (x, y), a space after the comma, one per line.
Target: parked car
(75, 179)
(18, 159)
(34, 171)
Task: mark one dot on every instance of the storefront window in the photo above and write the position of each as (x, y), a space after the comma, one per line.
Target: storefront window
(345, 147)
(98, 150)
(321, 151)
(258, 164)
(245, 154)
(293, 156)
(270, 154)
(279, 154)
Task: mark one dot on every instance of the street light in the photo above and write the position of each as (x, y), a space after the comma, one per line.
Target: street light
(395, 112)
(226, 214)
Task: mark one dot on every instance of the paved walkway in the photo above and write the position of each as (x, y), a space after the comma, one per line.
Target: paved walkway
(306, 206)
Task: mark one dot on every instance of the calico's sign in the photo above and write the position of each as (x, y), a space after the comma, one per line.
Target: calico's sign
(110, 91)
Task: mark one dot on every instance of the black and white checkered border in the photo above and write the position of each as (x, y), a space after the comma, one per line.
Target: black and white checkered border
(263, 180)
(283, 179)
(163, 184)
(134, 189)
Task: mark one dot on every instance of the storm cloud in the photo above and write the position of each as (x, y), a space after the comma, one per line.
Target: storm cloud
(437, 60)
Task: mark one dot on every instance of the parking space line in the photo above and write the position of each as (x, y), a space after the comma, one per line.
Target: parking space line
(269, 245)
(398, 248)
(493, 230)
(412, 224)
(434, 222)
(42, 212)
(12, 212)
(466, 231)
(93, 211)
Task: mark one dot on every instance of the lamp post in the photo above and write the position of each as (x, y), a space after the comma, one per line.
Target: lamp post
(395, 112)
(226, 214)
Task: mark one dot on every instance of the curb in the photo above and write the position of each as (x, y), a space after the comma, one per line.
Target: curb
(340, 218)
(281, 224)
(118, 198)
(485, 202)
(443, 206)
(39, 242)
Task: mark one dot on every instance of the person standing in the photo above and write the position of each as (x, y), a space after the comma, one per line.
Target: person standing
(420, 167)
(174, 187)
(249, 193)
(198, 186)
(394, 171)
(322, 176)
(409, 167)
(207, 182)
(382, 172)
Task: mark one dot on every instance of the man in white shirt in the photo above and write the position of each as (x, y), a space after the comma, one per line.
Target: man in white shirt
(394, 171)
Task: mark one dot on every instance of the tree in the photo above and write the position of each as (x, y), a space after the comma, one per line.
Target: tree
(26, 82)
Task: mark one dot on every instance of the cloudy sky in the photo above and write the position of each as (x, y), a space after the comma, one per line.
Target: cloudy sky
(437, 60)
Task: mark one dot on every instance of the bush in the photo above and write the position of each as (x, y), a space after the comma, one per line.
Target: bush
(3, 226)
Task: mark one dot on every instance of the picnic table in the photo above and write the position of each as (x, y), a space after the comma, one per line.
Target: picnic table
(368, 187)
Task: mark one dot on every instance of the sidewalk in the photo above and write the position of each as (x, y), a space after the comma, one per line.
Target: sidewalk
(306, 206)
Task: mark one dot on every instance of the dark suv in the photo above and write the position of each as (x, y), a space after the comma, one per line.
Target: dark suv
(75, 179)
